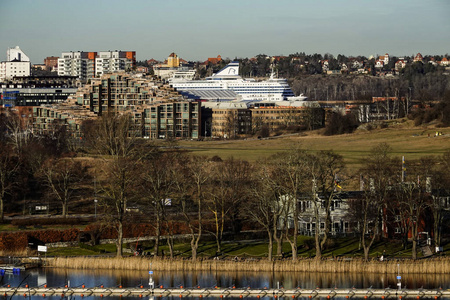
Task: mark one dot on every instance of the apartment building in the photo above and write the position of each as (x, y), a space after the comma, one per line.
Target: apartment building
(17, 64)
(178, 120)
(157, 111)
(86, 65)
(79, 64)
(113, 61)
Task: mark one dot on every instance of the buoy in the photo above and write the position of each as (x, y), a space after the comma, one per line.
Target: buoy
(160, 286)
(234, 287)
(101, 286)
(101, 295)
(293, 296)
(328, 297)
(198, 286)
(9, 285)
(62, 295)
(200, 296)
(142, 286)
(26, 285)
(221, 296)
(65, 286)
(240, 296)
(45, 285)
(4, 295)
(181, 296)
(258, 296)
(140, 295)
(82, 295)
(120, 286)
(24, 295)
(418, 297)
(275, 296)
(349, 297)
(43, 295)
(83, 286)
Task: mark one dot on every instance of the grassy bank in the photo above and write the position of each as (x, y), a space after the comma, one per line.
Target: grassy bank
(405, 140)
(424, 266)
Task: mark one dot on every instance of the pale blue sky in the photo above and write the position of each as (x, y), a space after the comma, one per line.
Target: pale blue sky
(198, 29)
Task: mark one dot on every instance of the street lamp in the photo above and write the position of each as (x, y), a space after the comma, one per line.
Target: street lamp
(95, 207)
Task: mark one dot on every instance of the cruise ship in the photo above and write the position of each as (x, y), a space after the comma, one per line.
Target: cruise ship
(249, 90)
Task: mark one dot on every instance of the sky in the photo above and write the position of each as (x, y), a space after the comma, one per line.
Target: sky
(198, 29)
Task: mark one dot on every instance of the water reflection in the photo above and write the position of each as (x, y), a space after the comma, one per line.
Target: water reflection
(112, 278)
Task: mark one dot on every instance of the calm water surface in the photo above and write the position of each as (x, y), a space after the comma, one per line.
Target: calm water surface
(110, 278)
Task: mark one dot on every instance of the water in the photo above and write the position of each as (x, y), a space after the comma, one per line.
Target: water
(131, 279)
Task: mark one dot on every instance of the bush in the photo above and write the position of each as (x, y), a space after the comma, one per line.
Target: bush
(47, 221)
(340, 124)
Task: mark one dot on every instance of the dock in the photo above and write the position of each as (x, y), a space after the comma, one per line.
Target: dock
(215, 292)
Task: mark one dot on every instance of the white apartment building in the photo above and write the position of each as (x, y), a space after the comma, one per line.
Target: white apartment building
(80, 64)
(86, 65)
(17, 64)
(113, 61)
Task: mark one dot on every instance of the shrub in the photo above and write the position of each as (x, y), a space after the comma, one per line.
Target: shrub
(340, 124)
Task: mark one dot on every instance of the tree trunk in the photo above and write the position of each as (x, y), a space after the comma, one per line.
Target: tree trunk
(270, 247)
(119, 241)
(317, 239)
(194, 247)
(158, 234)
(64, 209)
(2, 213)
(170, 244)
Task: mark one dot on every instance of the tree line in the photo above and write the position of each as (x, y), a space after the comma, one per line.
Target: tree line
(214, 196)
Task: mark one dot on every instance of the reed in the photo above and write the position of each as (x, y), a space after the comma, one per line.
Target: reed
(425, 266)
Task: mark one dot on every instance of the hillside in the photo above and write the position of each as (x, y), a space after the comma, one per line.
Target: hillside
(405, 140)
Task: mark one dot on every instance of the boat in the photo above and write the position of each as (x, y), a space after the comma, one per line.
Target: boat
(248, 89)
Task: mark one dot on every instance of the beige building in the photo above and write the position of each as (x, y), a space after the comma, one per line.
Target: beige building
(280, 117)
(230, 120)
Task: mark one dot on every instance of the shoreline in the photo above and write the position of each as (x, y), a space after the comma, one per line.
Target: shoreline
(405, 266)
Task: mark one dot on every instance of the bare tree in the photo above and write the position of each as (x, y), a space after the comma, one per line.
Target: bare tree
(111, 134)
(265, 207)
(116, 190)
(438, 184)
(19, 132)
(291, 177)
(156, 190)
(377, 175)
(226, 191)
(116, 136)
(9, 169)
(323, 168)
(62, 177)
(190, 174)
(412, 202)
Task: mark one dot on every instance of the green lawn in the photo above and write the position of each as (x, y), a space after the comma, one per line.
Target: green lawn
(344, 247)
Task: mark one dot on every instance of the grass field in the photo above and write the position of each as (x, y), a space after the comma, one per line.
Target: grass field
(340, 247)
(405, 140)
